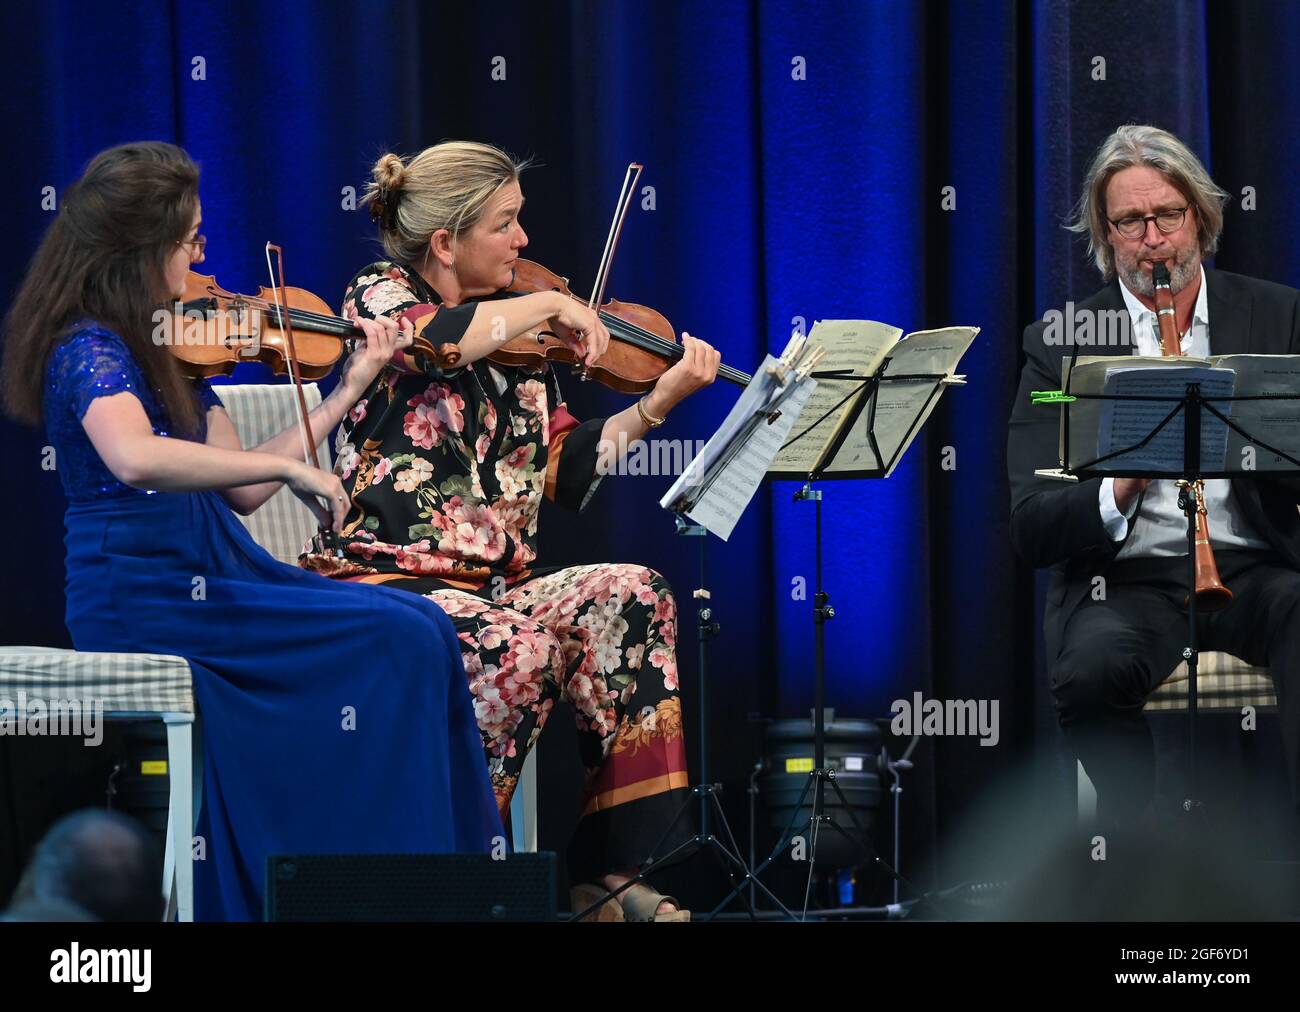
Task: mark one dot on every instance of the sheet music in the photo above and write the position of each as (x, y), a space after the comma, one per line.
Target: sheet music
(1088, 377)
(858, 346)
(1275, 422)
(903, 407)
(760, 391)
(1126, 423)
(719, 509)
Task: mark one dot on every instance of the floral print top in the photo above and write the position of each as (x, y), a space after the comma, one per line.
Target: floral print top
(446, 468)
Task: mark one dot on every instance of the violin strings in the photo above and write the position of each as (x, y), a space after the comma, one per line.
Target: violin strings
(634, 335)
(305, 315)
(294, 313)
(638, 335)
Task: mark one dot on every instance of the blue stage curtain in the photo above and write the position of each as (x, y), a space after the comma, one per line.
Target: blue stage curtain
(798, 156)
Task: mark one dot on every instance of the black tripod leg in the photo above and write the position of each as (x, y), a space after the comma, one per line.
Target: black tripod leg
(819, 805)
(862, 842)
(747, 878)
(722, 857)
(681, 810)
(696, 843)
(654, 863)
(733, 855)
(691, 844)
(868, 851)
(753, 876)
(787, 834)
(730, 843)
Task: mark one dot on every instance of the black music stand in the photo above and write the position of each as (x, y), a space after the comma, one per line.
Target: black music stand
(1190, 406)
(823, 613)
(706, 794)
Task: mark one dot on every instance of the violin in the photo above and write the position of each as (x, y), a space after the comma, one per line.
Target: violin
(642, 342)
(289, 329)
(294, 331)
(217, 330)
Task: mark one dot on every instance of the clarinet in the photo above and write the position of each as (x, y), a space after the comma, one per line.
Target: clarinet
(1211, 594)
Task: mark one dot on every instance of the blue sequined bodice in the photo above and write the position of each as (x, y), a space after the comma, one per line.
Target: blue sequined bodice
(94, 362)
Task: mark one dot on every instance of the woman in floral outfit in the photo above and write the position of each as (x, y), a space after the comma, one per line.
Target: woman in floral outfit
(447, 457)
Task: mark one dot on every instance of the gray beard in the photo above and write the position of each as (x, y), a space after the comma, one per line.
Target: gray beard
(1140, 282)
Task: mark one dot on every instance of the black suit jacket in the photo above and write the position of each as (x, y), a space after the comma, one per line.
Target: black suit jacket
(1058, 524)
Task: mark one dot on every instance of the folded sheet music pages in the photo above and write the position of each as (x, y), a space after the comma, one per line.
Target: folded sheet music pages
(898, 408)
(719, 483)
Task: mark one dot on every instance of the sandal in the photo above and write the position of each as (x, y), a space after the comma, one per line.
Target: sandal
(583, 896)
(641, 903)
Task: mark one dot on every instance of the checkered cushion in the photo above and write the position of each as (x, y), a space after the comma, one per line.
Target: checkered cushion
(261, 410)
(1223, 682)
(119, 683)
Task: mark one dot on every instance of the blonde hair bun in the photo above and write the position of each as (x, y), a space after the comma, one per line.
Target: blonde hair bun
(390, 172)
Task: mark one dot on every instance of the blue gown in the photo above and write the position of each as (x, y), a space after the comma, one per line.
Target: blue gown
(280, 658)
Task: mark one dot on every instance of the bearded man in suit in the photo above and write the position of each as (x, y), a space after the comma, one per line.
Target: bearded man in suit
(1147, 198)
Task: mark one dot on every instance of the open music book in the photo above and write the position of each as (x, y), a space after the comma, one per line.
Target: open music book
(834, 432)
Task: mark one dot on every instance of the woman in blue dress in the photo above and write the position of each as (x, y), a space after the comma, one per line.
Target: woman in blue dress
(325, 727)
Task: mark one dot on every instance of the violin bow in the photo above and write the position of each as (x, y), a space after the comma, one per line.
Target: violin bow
(615, 231)
(281, 296)
(611, 243)
(281, 300)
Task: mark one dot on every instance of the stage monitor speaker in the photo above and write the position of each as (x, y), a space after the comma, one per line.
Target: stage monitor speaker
(410, 887)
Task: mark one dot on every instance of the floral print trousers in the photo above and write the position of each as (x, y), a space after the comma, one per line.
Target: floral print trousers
(604, 637)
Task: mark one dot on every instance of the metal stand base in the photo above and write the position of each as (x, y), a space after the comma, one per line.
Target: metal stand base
(821, 774)
(705, 795)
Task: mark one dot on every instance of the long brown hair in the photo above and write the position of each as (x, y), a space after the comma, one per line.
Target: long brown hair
(104, 258)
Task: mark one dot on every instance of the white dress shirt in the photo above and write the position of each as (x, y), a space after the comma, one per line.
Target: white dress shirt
(1160, 529)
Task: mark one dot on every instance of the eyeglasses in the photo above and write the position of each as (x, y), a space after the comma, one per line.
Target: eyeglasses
(1136, 227)
(197, 244)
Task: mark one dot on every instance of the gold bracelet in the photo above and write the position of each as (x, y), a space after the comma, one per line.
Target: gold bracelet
(647, 419)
